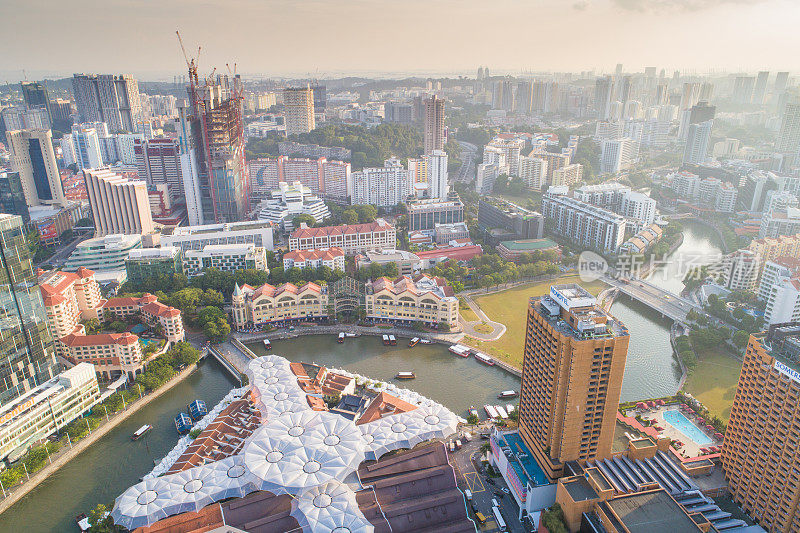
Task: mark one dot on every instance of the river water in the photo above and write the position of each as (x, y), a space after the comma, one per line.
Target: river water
(114, 463)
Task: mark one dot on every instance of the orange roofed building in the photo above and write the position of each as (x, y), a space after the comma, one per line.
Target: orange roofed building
(285, 303)
(350, 238)
(405, 300)
(153, 312)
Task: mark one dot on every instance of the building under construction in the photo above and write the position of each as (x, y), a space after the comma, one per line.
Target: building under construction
(217, 185)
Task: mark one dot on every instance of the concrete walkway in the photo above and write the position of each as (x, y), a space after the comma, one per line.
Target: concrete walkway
(498, 329)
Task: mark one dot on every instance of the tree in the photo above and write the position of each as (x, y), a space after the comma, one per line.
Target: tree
(553, 519)
(92, 326)
(366, 213)
(303, 218)
(100, 520)
(119, 326)
(350, 216)
(741, 338)
(472, 419)
(213, 297)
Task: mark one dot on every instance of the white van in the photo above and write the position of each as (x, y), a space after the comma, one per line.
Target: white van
(468, 495)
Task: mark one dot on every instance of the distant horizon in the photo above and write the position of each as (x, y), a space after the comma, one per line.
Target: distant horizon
(314, 38)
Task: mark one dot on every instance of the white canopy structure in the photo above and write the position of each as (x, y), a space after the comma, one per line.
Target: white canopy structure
(296, 451)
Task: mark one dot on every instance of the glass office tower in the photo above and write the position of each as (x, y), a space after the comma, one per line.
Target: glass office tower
(27, 352)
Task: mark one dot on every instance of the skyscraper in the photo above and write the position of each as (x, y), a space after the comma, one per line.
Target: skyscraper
(437, 175)
(12, 197)
(34, 94)
(434, 124)
(572, 368)
(781, 79)
(788, 141)
(760, 90)
(222, 177)
(107, 98)
(698, 123)
(760, 456)
(298, 110)
(33, 157)
(743, 89)
(320, 98)
(86, 144)
(603, 92)
(27, 354)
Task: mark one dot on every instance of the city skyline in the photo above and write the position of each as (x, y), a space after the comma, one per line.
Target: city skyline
(675, 30)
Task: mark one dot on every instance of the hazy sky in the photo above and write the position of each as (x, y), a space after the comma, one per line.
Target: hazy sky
(277, 37)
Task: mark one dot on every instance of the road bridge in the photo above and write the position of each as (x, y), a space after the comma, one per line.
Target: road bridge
(662, 301)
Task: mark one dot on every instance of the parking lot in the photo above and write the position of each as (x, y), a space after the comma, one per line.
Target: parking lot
(471, 476)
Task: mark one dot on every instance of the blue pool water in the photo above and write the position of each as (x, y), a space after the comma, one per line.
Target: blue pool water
(677, 420)
(146, 341)
(529, 468)
(138, 328)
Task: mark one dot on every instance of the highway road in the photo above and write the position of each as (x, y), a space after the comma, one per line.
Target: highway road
(466, 172)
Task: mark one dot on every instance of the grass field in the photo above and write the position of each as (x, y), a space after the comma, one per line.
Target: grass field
(466, 312)
(510, 307)
(713, 381)
(483, 327)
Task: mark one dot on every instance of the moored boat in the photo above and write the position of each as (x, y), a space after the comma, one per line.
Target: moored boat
(425, 341)
(413, 342)
(392, 340)
(459, 349)
(386, 340)
(501, 411)
(197, 410)
(472, 410)
(183, 423)
(352, 334)
(483, 358)
(507, 394)
(405, 375)
(267, 344)
(139, 433)
(490, 411)
(340, 339)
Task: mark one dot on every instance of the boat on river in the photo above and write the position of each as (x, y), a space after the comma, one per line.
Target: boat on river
(386, 340)
(460, 349)
(490, 411)
(392, 340)
(340, 338)
(405, 375)
(139, 433)
(425, 341)
(413, 342)
(507, 394)
(267, 344)
(483, 358)
(197, 410)
(183, 423)
(501, 411)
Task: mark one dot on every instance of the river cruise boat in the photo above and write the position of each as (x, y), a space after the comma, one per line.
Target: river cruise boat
(425, 341)
(490, 411)
(183, 423)
(483, 358)
(349, 335)
(197, 410)
(340, 338)
(413, 342)
(405, 375)
(386, 340)
(141, 432)
(460, 349)
(392, 340)
(507, 394)
(267, 344)
(501, 411)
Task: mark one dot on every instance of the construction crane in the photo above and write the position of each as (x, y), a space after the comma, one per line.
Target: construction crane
(190, 64)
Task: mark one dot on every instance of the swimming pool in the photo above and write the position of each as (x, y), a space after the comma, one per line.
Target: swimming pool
(677, 420)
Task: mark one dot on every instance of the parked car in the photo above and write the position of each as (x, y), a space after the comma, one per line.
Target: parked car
(505, 490)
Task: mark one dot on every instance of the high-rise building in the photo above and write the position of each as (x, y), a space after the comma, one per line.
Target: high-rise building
(573, 363)
(298, 110)
(107, 98)
(743, 89)
(760, 90)
(697, 138)
(320, 98)
(119, 205)
(396, 112)
(159, 161)
(584, 224)
(618, 154)
(434, 124)
(33, 157)
(384, 186)
(437, 175)
(781, 80)
(760, 454)
(27, 353)
(12, 197)
(603, 94)
(216, 177)
(788, 141)
(86, 144)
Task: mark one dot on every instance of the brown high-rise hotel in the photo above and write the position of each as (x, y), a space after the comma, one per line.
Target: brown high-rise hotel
(571, 378)
(761, 454)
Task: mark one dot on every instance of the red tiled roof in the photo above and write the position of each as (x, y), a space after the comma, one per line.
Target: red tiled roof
(303, 233)
(124, 301)
(461, 253)
(383, 405)
(84, 272)
(122, 339)
(159, 309)
(325, 254)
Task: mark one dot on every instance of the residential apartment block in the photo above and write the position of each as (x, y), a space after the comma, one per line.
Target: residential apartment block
(385, 186)
(779, 289)
(225, 257)
(351, 238)
(424, 299)
(584, 224)
(269, 304)
(425, 214)
(573, 363)
(147, 264)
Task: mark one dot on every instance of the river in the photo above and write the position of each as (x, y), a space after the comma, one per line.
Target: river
(114, 463)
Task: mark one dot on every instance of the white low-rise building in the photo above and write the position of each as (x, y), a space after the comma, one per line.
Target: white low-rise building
(225, 257)
(290, 200)
(255, 232)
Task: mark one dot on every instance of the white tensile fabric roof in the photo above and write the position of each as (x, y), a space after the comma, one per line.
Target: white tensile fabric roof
(296, 451)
